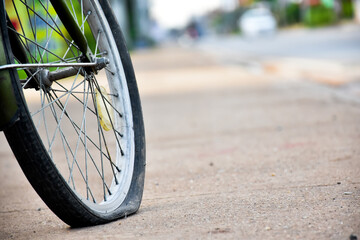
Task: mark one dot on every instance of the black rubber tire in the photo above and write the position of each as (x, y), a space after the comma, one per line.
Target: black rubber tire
(43, 174)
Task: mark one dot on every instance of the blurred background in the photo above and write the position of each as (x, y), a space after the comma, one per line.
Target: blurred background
(301, 39)
(148, 22)
(296, 37)
(252, 112)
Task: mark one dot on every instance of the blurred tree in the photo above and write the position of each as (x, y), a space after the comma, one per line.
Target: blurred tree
(319, 15)
(347, 9)
(131, 11)
(293, 14)
(133, 16)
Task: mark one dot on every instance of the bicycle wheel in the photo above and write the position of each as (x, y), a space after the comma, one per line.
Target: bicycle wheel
(80, 135)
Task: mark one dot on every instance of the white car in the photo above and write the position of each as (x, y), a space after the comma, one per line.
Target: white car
(257, 21)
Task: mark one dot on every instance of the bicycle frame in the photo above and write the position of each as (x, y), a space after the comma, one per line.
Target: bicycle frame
(8, 100)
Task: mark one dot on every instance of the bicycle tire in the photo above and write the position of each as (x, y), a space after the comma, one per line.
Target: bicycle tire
(44, 174)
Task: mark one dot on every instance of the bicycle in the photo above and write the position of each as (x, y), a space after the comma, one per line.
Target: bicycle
(70, 107)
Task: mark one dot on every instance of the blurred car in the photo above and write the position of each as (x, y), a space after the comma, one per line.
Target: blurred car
(257, 21)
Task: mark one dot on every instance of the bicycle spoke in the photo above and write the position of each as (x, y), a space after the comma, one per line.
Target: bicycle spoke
(63, 140)
(107, 111)
(79, 131)
(97, 43)
(45, 122)
(57, 31)
(65, 90)
(82, 13)
(77, 128)
(63, 112)
(74, 161)
(49, 38)
(20, 22)
(47, 31)
(47, 105)
(106, 147)
(73, 94)
(106, 100)
(102, 138)
(38, 45)
(30, 78)
(85, 107)
(33, 29)
(77, 92)
(70, 45)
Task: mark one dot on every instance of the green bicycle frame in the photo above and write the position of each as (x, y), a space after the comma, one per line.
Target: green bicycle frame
(8, 100)
(8, 103)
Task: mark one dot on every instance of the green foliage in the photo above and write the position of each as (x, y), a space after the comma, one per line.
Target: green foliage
(347, 9)
(319, 15)
(293, 13)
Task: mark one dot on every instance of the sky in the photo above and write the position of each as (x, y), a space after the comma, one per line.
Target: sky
(176, 13)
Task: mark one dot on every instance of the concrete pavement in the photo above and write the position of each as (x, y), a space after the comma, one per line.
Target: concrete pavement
(231, 154)
(329, 55)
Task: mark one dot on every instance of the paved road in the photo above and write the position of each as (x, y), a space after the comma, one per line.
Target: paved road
(232, 154)
(339, 43)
